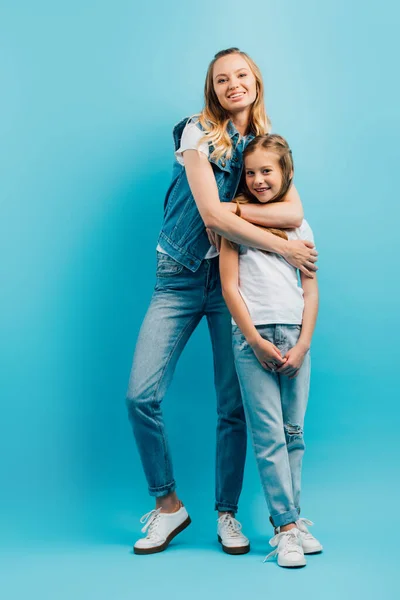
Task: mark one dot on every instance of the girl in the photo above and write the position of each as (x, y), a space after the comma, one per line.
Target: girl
(274, 320)
(206, 174)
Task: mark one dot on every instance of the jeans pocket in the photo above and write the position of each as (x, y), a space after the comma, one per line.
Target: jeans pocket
(239, 342)
(167, 266)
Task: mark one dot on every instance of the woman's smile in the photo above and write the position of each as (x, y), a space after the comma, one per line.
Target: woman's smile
(234, 83)
(236, 96)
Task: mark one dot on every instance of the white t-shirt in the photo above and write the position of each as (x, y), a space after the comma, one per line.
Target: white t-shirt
(191, 136)
(269, 285)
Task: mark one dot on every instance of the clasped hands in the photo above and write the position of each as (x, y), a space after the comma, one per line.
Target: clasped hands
(272, 360)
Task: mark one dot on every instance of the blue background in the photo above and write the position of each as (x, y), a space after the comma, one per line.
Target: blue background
(90, 93)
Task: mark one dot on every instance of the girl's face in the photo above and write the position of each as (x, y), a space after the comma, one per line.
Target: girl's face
(234, 83)
(263, 174)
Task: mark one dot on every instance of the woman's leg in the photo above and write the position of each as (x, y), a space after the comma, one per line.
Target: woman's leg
(262, 402)
(231, 426)
(294, 395)
(175, 311)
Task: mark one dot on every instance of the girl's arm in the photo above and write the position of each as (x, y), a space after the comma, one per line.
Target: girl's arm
(310, 289)
(301, 255)
(287, 214)
(268, 354)
(295, 355)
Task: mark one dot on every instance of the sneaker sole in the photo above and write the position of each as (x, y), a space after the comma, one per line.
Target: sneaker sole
(289, 565)
(163, 546)
(234, 550)
(317, 551)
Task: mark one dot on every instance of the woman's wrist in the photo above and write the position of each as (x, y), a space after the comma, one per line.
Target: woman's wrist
(285, 248)
(229, 206)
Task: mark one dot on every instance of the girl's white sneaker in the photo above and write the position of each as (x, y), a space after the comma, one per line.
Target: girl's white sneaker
(310, 544)
(230, 535)
(289, 549)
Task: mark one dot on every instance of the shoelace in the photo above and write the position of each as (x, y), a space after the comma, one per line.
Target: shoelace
(151, 521)
(301, 524)
(231, 525)
(292, 544)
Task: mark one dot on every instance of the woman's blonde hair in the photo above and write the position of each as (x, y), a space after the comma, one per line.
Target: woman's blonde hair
(279, 146)
(214, 118)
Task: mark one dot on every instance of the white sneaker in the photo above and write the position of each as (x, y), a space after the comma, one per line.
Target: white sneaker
(230, 536)
(288, 548)
(161, 528)
(310, 544)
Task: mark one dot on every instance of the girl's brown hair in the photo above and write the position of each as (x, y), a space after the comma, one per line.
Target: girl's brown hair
(279, 146)
(214, 118)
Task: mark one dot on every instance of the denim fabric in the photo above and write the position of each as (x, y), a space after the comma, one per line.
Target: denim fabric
(181, 298)
(275, 407)
(183, 234)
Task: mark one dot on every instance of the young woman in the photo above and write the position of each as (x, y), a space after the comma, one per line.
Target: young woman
(205, 178)
(274, 320)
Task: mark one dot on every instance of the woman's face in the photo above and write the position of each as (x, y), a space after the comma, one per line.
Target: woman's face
(263, 174)
(234, 83)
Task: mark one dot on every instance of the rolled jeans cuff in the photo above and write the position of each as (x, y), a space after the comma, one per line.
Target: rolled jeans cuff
(162, 490)
(226, 507)
(290, 516)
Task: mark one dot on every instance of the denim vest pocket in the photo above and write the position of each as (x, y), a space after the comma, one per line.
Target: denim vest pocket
(223, 164)
(222, 171)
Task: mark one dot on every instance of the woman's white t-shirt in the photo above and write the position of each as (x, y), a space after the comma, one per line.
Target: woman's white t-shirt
(191, 136)
(269, 285)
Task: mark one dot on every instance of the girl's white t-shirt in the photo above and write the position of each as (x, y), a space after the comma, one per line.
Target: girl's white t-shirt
(269, 285)
(191, 136)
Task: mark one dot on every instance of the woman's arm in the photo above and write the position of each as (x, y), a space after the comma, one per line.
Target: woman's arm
(301, 255)
(287, 214)
(268, 354)
(295, 355)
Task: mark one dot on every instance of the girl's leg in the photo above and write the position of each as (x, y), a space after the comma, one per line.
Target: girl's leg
(294, 395)
(174, 313)
(262, 402)
(231, 426)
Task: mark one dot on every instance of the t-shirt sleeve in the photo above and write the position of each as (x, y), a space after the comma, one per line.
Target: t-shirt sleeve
(191, 136)
(305, 232)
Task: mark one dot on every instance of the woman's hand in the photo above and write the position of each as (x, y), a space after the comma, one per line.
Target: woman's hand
(294, 359)
(214, 238)
(268, 355)
(302, 255)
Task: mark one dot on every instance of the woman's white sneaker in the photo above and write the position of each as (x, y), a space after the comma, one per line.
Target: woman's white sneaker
(160, 529)
(289, 549)
(310, 544)
(230, 535)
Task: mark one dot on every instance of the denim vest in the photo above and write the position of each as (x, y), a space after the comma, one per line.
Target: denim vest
(183, 234)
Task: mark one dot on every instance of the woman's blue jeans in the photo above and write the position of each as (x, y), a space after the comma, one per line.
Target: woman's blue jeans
(181, 298)
(275, 407)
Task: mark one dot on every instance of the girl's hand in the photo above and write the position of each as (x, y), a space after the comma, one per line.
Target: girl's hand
(214, 238)
(268, 355)
(294, 359)
(302, 255)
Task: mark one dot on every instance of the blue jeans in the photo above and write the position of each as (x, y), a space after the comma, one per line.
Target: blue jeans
(275, 407)
(181, 298)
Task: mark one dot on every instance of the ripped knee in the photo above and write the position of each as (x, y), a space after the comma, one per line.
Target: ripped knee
(293, 433)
